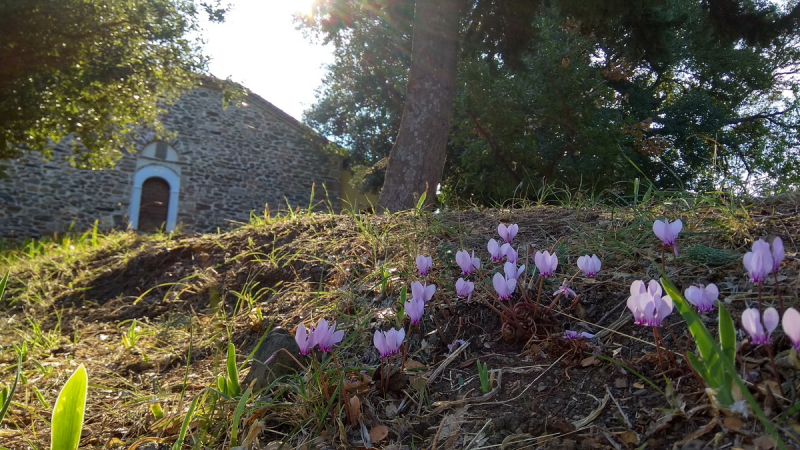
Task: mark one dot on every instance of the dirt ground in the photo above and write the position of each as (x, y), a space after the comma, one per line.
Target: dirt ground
(192, 295)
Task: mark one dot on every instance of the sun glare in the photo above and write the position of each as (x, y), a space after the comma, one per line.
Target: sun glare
(303, 7)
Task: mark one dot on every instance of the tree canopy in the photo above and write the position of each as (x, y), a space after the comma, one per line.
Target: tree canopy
(93, 70)
(586, 93)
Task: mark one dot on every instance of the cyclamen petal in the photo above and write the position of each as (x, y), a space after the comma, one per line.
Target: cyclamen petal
(467, 264)
(424, 292)
(508, 251)
(791, 326)
(778, 253)
(304, 339)
(702, 298)
(503, 286)
(326, 336)
(751, 322)
(511, 271)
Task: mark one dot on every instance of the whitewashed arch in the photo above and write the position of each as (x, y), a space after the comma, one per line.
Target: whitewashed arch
(141, 176)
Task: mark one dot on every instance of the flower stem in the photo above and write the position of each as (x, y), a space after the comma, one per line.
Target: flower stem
(778, 290)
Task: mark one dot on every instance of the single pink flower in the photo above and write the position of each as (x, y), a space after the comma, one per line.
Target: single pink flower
(424, 264)
(423, 292)
(791, 326)
(464, 288)
(388, 342)
(566, 291)
(590, 265)
(508, 251)
(414, 309)
(702, 297)
(467, 264)
(304, 339)
(326, 337)
(570, 335)
(494, 250)
(666, 231)
(759, 261)
(507, 232)
(546, 263)
(511, 270)
(751, 322)
(504, 286)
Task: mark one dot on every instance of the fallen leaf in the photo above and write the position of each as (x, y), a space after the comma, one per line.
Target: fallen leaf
(589, 361)
(621, 383)
(628, 437)
(353, 410)
(733, 423)
(764, 443)
(638, 385)
(418, 383)
(411, 364)
(378, 433)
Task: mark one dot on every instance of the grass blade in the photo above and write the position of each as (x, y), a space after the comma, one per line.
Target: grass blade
(68, 412)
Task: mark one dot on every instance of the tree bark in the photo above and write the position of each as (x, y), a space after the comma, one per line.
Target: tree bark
(417, 158)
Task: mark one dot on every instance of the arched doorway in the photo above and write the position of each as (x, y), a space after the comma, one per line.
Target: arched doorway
(154, 207)
(155, 190)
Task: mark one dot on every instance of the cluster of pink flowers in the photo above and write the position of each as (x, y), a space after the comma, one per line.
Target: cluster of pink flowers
(762, 261)
(647, 304)
(760, 328)
(506, 283)
(322, 336)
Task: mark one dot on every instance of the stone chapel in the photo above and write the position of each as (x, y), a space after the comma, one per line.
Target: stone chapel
(221, 165)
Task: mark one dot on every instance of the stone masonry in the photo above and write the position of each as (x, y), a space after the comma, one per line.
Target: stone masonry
(222, 165)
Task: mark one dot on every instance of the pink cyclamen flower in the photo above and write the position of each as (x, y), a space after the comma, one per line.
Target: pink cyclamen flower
(464, 288)
(702, 297)
(468, 264)
(666, 231)
(546, 263)
(509, 252)
(647, 305)
(511, 270)
(424, 264)
(791, 326)
(751, 322)
(504, 286)
(570, 335)
(414, 309)
(590, 265)
(494, 250)
(759, 261)
(777, 253)
(326, 337)
(304, 339)
(423, 292)
(566, 291)
(507, 232)
(388, 342)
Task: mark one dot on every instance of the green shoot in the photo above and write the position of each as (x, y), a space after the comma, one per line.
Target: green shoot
(68, 412)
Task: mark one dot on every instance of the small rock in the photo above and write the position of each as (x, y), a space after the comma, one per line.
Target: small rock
(282, 364)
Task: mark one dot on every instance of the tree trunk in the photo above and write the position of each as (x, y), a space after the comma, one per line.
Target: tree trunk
(417, 158)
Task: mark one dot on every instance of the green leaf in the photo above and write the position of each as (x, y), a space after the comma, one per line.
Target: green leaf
(233, 373)
(5, 402)
(3, 284)
(705, 342)
(68, 412)
(185, 426)
(237, 416)
(727, 334)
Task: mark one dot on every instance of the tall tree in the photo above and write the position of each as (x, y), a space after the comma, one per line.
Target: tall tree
(417, 158)
(93, 70)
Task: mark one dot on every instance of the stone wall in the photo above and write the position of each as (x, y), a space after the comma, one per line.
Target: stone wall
(229, 162)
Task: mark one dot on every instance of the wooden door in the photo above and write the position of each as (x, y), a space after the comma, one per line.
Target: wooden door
(154, 206)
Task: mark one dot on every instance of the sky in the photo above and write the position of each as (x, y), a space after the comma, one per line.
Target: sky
(259, 47)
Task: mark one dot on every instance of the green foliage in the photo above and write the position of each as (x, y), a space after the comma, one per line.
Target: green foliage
(6, 394)
(483, 376)
(229, 386)
(579, 94)
(93, 70)
(68, 412)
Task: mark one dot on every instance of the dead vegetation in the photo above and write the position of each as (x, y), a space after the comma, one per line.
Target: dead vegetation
(151, 317)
